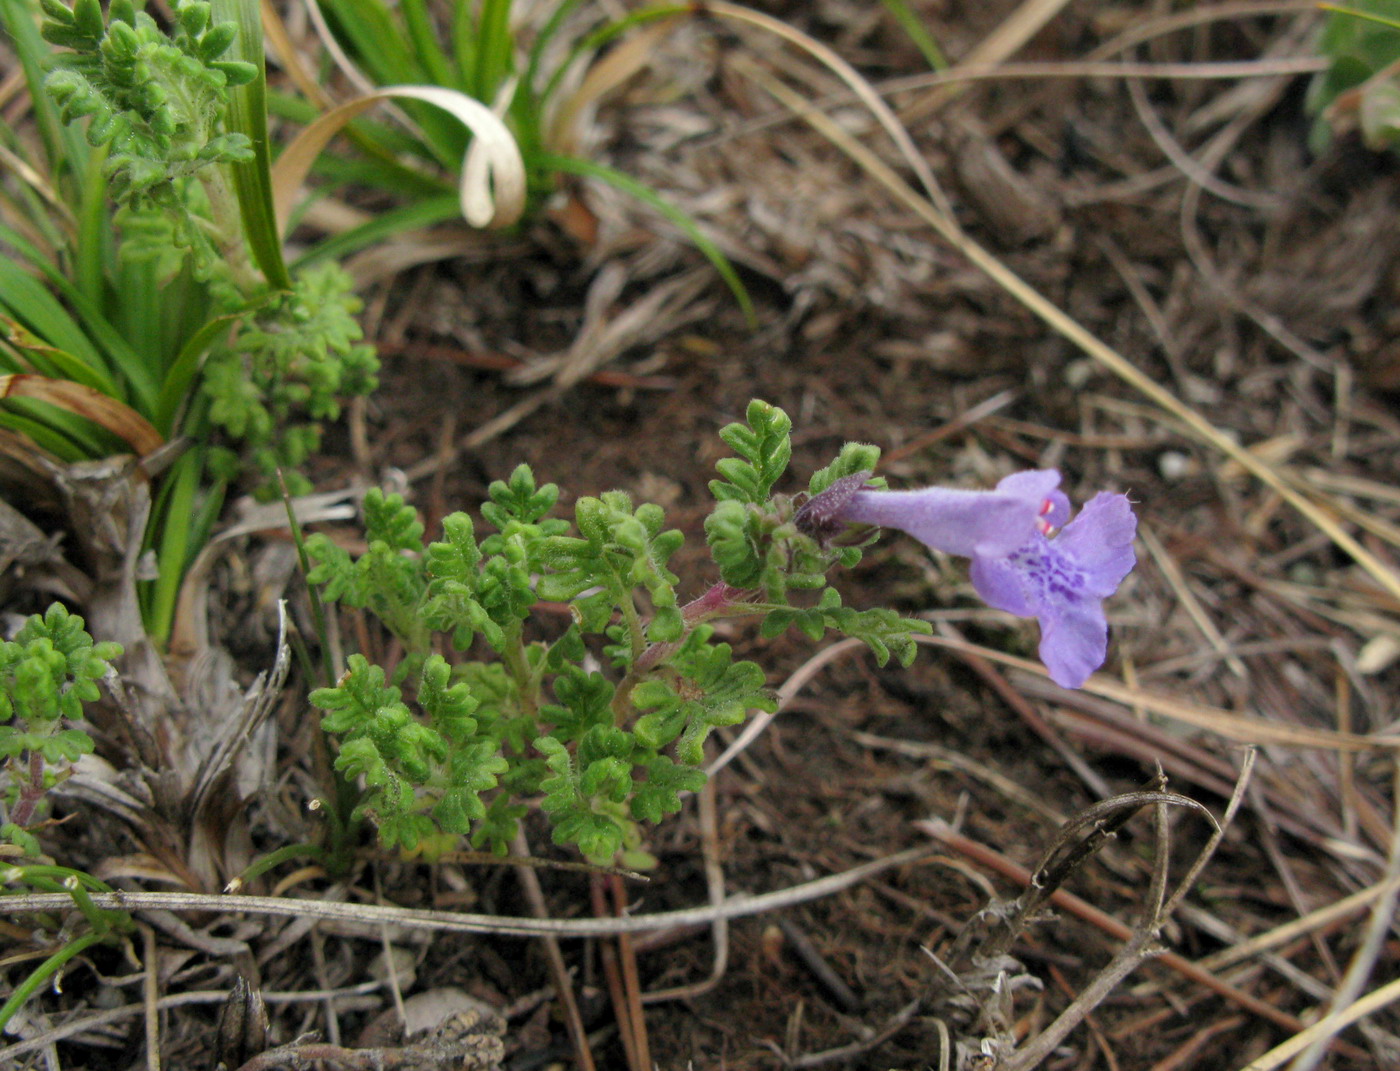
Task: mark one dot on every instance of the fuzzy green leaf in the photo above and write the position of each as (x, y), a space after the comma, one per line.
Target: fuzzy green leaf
(659, 794)
(764, 447)
(721, 692)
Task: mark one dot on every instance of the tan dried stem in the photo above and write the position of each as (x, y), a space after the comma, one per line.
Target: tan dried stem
(863, 90)
(1013, 32)
(558, 970)
(714, 884)
(1363, 962)
(463, 922)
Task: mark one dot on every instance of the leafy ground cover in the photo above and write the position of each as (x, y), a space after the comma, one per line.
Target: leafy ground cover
(1154, 175)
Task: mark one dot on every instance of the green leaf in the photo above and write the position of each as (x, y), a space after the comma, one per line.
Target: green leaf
(659, 794)
(449, 705)
(584, 703)
(722, 692)
(620, 548)
(518, 500)
(247, 115)
(733, 533)
(360, 700)
(883, 631)
(853, 458)
(470, 772)
(497, 829)
(764, 447)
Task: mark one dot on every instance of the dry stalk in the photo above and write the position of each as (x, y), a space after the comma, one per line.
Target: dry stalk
(1373, 938)
(558, 970)
(463, 922)
(708, 814)
(1143, 944)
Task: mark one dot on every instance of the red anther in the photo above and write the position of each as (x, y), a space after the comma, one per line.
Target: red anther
(1046, 507)
(1045, 527)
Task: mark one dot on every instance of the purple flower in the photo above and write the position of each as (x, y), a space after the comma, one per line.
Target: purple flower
(1063, 582)
(1016, 565)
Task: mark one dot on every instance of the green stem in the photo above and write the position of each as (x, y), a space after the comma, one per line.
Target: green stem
(43, 972)
(518, 664)
(228, 229)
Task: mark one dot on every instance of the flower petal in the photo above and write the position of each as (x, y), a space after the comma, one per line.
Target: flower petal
(1073, 641)
(1100, 542)
(1002, 586)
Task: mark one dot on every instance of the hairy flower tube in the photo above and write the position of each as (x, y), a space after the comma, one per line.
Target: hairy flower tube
(1019, 563)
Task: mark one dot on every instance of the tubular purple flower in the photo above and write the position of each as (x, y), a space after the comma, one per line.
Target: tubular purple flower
(966, 523)
(1016, 565)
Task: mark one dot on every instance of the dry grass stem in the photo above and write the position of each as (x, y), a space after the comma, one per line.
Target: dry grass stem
(464, 922)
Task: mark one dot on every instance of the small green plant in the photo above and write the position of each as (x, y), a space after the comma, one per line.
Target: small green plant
(47, 672)
(1361, 87)
(606, 721)
(140, 260)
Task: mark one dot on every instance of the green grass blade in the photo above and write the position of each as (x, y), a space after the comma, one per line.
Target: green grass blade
(45, 436)
(422, 34)
(124, 373)
(247, 114)
(60, 431)
(1342, 9)
(172, 537)
(496, 49)
(375, 40)
(93, 244)
(465, 50)
(42, 973)
(27, 301)
(24, 351)
(418, 214)
(570, 165)
(180, 376)
(914, 26)
(64, 144)
(140, 306)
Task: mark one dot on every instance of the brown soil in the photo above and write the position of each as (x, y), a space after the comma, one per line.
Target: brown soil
(1266, 303)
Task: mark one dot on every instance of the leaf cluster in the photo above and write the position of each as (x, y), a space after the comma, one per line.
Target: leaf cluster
(442, 749)
(756, 544)
(286, 369)
(47, 672)
(140, 257)
(157, 100)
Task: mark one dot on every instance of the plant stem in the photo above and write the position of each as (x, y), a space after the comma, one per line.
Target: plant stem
(228, 229)
(30, 793)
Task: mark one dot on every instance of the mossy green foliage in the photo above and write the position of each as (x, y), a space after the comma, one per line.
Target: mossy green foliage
(286, 370)
(47, 672)
(156, 101)
(457, 746)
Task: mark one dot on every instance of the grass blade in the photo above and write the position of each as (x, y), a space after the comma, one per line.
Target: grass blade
(248, 115)
(627, 184)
